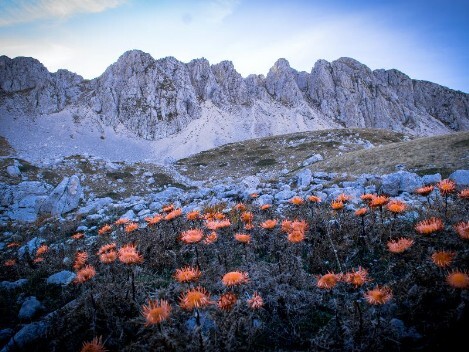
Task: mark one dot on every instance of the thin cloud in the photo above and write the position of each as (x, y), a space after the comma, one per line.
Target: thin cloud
(218, 10)
(28, 11)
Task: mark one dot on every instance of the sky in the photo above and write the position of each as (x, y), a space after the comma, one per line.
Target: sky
(427, 40)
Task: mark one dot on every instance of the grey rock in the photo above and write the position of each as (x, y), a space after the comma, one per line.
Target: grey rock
(304, 178)
(169, 194)
(30, 247)
(64, 198)
(312, 159)
(13, 171)
(5, 335)
(402, 331)
(461, 177)
(284, 195)
(401, 181)
(30, 308)
(94, 205)
(11, 285)
(62, 278)
(24, 338)
(431, 179)
(130, 214)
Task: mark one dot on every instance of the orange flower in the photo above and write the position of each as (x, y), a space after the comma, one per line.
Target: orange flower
(193, 215)
(361, 212)
(121, 221)
(296, 236)
(424, 191)
(41, 250)
(211, 238)
(344, 198)
(173, 214)
(129, 255)
(396, 206)
(243, 238)
(248, 226)
(367, 197)
(96, 345)
(216, 225)
(153, 220)
(443, 258)
(156, 311)
(10, 262)
(327, 281)
(269, 224)
(85, 274)
(378, 201)
(108, 257)
(38, 260)
(337, 205)
(400, 245)
(297, 200)
(234, 278)
(80, 260)
(131, 227)
(464, 194)
(286, 226)
(192, 236)
(194, 298)
(378, 295)
(357, 277)
(462, 228)
(227, 301)
(314, 199)
(240, 207)
(446, 187)
(247, 216)
(105, 229)
(428, 226)
(78, 236)
(254, 195)
(168, 208)
(458, 279)
(256, 301)
(187, 274)
(265, 206)
(107, 248)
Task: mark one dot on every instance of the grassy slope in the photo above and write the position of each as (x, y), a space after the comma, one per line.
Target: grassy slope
(273, 154)
(442, 154)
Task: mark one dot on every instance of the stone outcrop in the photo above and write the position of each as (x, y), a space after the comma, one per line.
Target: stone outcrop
(157, 98)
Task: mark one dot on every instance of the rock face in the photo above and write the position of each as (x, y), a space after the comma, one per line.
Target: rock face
(157, 98)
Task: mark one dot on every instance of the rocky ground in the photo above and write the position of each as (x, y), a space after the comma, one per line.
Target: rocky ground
(41, 297)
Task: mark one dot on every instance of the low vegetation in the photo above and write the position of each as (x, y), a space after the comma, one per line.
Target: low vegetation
(312, 276)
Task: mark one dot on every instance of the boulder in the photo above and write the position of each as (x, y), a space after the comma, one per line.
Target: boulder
(11, 285)
(303, 178)
(30, 308)
(62, 278)
(13, 171)
(312, 159)
(461, 177)
(64, 198)
(401, 181)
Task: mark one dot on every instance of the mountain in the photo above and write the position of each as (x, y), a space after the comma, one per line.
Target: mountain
(189, 107)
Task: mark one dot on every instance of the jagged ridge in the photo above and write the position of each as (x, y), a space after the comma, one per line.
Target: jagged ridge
(159, 98)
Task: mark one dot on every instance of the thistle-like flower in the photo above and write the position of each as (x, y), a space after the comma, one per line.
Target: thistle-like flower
(428, 226)
(193, 215)
(269, 224)
(443, 258)
(297, 200)
(95, 345)
(128, 255)
(314, 199)
(194, 298)
(356, 277)
(378, 295)
(187, 274)
(173, 214)
(361, 212)
(464, 194)
(337, 205)
(234, 278)
(211, 238)
(462, 228)
(105, 229)
(192, 236)
(458, 279)
(424, 191)
(446, 187)
(256, 301)
(400, 245)
(243, 238)
(227, 301)
(396, 206)
(378, 201)
(156, 312)
(131, 227)
(85, 274)
(328, 281)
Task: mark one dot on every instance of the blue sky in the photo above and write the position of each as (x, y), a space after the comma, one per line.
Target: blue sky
(427, 40)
